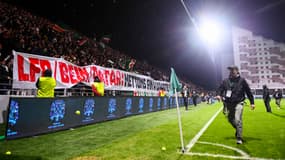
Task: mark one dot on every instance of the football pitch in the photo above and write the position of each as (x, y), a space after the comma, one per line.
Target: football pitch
(142, 137)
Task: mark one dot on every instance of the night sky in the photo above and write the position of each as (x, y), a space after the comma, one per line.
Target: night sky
(159, 31)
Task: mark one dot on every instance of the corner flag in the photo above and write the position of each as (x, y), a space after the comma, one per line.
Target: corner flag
(175, 87)
(174, 83)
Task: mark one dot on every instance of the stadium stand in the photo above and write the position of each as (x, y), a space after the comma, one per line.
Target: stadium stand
(22, 31)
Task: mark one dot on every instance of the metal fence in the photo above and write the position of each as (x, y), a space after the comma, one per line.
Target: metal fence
(6, 89)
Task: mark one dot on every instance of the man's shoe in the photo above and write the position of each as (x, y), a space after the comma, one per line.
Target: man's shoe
(239, 141)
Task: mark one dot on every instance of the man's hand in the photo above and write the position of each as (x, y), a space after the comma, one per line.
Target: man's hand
(252, 106)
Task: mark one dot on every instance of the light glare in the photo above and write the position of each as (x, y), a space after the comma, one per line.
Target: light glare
(210, 31)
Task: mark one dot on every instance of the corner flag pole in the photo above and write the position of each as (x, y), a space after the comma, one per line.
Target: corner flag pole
(179, 122)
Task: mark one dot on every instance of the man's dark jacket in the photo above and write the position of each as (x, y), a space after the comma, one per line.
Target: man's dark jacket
(239, 88)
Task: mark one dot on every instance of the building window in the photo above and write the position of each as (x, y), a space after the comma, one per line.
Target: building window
(261, 67)
(252, 81)
(264, 44)
(262, 76)
(273, 80)
(262, 71)
(268, 76)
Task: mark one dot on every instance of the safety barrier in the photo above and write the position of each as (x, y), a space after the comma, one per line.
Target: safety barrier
(33, 116)
(80, 90)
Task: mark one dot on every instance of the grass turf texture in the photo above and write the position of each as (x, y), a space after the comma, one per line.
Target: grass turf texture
(264, 133)
(141, 137)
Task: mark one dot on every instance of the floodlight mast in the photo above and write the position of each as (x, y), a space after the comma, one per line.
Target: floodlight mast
(201, 31)
(208, 30)
(190, 16)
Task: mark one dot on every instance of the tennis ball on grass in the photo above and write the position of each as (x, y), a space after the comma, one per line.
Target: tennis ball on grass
(77, 112)
(8, 153)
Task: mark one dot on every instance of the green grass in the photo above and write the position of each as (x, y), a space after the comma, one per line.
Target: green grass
(141, 137)
(2, 129)
(264, 133)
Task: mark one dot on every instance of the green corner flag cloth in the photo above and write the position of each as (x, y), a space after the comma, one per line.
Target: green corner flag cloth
(174, 83)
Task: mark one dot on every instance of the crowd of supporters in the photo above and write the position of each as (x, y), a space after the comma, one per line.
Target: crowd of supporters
(22, 31)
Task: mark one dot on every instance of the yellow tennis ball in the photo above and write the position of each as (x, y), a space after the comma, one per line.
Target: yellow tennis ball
(77, 112)
(163, 148)
(8, 153)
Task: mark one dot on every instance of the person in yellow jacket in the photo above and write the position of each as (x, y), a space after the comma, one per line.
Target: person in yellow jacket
(161, 92)
(98, 87)
(46, 84)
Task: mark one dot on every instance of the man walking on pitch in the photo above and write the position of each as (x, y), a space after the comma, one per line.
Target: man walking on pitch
(194, 97)
(232, 91)
(266, 98)
(185, 95)
(278, 96)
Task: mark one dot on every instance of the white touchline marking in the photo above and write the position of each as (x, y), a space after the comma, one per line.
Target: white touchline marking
(225, 146)
(199, 134)
(224, 156)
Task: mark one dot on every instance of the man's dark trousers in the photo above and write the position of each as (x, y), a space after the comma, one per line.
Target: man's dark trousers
(267, 104)
(235, 117)
(195, 100)
(186, 103)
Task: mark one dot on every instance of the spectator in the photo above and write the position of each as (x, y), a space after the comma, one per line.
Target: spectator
(46, 84)
(4, 77)
(161, 92)
(98, 87)
(24, 32)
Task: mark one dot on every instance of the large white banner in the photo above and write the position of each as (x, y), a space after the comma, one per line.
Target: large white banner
(28, 68)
